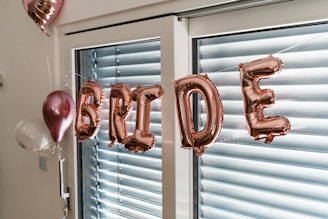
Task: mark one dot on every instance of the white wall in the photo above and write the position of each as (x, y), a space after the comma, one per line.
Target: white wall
(26, 191)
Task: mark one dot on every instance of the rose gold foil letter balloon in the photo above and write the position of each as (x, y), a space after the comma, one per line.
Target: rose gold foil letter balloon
(58, 113)
(142, 139)
(255, 99)
(118, 112)
(43, 12)
(184, 88)
(91, 98)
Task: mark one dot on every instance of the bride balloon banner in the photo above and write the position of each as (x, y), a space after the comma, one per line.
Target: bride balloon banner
(121, 98)
(43, 12)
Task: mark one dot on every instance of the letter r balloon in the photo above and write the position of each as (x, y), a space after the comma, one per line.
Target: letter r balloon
(118, 112)
(255, 99)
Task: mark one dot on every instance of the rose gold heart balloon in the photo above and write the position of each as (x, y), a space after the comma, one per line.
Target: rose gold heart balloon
(43, 12)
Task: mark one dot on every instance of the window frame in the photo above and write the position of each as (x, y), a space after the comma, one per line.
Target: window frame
(214, 73)
(173, 34)
(176, 37)
(99, 141)
(291, 13)
(253, 19)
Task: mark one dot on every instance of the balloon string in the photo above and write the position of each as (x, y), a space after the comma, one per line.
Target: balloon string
(49, 73)
(279, 52)
(48, 64)
(82, 76)
(300, 43)
(235, 66)
(55, 147)
(87, 78)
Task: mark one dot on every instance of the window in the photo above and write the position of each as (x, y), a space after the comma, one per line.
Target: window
(239, 177)
(117, 183)
(236, 177)
(171, 163)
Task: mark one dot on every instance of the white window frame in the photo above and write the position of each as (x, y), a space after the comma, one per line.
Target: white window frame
(284, 14)
(176, 162)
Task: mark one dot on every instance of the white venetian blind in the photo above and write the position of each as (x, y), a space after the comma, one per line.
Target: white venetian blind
(117, 183)
(288, 178)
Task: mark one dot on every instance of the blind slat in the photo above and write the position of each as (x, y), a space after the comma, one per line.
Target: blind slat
(267, 198)
(277, 185)
(249, 209)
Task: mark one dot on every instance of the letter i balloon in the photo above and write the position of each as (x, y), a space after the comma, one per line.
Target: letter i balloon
(142, 139)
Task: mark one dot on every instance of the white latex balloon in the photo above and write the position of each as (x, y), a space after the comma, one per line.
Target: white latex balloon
(33, 134)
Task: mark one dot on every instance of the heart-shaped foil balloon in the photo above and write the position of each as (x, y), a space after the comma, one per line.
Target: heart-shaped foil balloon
(43, 12)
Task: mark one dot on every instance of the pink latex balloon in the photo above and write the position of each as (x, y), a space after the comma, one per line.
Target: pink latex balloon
(43, 12)
(58, 113)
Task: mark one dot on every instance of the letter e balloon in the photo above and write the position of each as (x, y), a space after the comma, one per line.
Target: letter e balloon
(255, 99)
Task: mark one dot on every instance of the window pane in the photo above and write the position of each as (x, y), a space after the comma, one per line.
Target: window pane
(118, 183)
(288, 178)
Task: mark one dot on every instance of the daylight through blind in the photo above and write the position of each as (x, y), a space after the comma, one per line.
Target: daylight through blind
(288, 178)
(117, 183)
